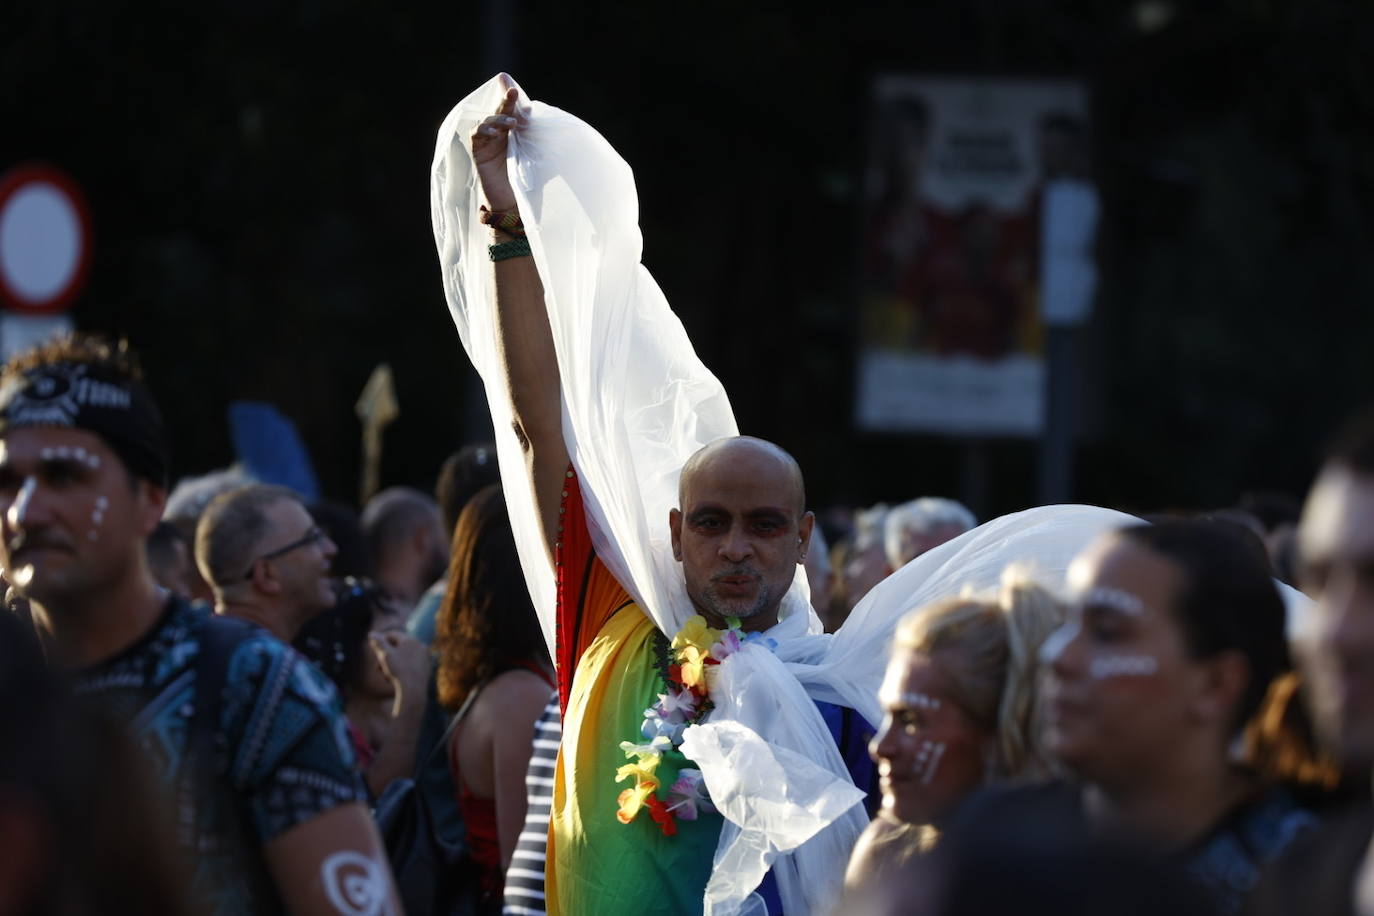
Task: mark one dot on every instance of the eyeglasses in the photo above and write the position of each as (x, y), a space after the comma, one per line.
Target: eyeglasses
(313, 536)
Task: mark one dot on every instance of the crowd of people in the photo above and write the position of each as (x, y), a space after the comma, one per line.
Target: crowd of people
(614, 663)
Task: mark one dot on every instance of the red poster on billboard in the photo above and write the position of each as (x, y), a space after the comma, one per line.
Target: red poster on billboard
(952, 330)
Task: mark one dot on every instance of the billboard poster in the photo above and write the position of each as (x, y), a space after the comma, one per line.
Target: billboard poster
(952, 335)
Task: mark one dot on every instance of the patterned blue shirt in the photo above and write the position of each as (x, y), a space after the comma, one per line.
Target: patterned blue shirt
(1229, 861)
(282, 733)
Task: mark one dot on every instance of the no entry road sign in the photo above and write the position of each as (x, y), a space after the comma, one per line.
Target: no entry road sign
(45, 239)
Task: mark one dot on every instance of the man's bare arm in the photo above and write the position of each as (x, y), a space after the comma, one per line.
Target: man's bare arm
(524, 340)
(333, 864)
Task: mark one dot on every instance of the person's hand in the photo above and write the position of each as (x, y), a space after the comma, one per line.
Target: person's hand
(489, 143)
(405, 662)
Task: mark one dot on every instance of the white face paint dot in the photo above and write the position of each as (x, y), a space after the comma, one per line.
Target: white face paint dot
(923, 754)
(920, 700)
(102, 502)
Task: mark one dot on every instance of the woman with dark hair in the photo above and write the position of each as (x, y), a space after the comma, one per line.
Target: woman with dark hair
(381, 674)
(494, 669)
(1174, 642)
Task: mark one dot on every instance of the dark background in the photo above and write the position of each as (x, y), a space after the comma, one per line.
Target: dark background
(258, 175)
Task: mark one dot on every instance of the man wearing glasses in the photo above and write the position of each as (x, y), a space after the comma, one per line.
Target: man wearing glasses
(244, 738)
(265, 559)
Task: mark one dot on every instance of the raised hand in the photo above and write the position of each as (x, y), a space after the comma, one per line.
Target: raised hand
(489, 142)
(405, 662)
(525, 344)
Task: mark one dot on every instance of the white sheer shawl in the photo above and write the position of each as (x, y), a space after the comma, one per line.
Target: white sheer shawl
(637, 402)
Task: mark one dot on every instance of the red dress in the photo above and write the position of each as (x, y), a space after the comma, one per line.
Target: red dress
(479, 814)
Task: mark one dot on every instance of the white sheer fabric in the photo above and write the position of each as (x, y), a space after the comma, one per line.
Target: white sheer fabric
(636, 398)
(637, 403)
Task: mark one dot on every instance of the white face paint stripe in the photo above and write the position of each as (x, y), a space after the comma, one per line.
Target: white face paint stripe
(20, 507)
(1114, 598)
(1100, 667)
(1058, 641)
(927, 762)
(1107, 666)
(934, 764)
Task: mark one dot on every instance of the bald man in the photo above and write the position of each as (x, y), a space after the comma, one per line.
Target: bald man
(740, 530)
(407, 541)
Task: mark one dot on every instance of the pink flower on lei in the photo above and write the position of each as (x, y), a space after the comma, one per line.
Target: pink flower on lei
(677, 705)
(688, 795)
(728, 644)
(668, 717)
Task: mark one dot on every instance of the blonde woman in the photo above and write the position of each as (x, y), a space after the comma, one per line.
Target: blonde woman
(960, 711)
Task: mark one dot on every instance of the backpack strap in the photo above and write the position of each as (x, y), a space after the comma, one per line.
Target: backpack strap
(219, 638)
(453, 723)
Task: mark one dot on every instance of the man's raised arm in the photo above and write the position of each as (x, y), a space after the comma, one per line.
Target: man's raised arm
(524, 342)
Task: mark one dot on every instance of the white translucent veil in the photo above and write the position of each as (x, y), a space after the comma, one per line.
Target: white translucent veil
(637, 402)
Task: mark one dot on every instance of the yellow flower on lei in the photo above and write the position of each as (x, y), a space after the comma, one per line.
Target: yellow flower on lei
(696, 634)
(692, 646)
(693, 663)
(631, 800)
(643, 771)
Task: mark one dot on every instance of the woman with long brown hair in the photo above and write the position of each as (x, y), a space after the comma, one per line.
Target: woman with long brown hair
(494, 671)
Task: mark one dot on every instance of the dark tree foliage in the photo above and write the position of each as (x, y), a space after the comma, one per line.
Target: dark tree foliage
(259, 178)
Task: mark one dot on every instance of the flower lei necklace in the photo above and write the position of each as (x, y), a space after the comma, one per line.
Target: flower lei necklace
(695, 649)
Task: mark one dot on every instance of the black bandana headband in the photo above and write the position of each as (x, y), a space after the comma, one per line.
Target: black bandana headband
(83, 396)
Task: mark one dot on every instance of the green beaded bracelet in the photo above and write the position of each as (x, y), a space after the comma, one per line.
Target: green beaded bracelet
(516, 248)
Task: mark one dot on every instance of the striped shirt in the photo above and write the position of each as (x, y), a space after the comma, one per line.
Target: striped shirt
(525, 877)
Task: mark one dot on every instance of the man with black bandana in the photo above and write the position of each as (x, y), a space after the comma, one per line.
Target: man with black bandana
(272, 816)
